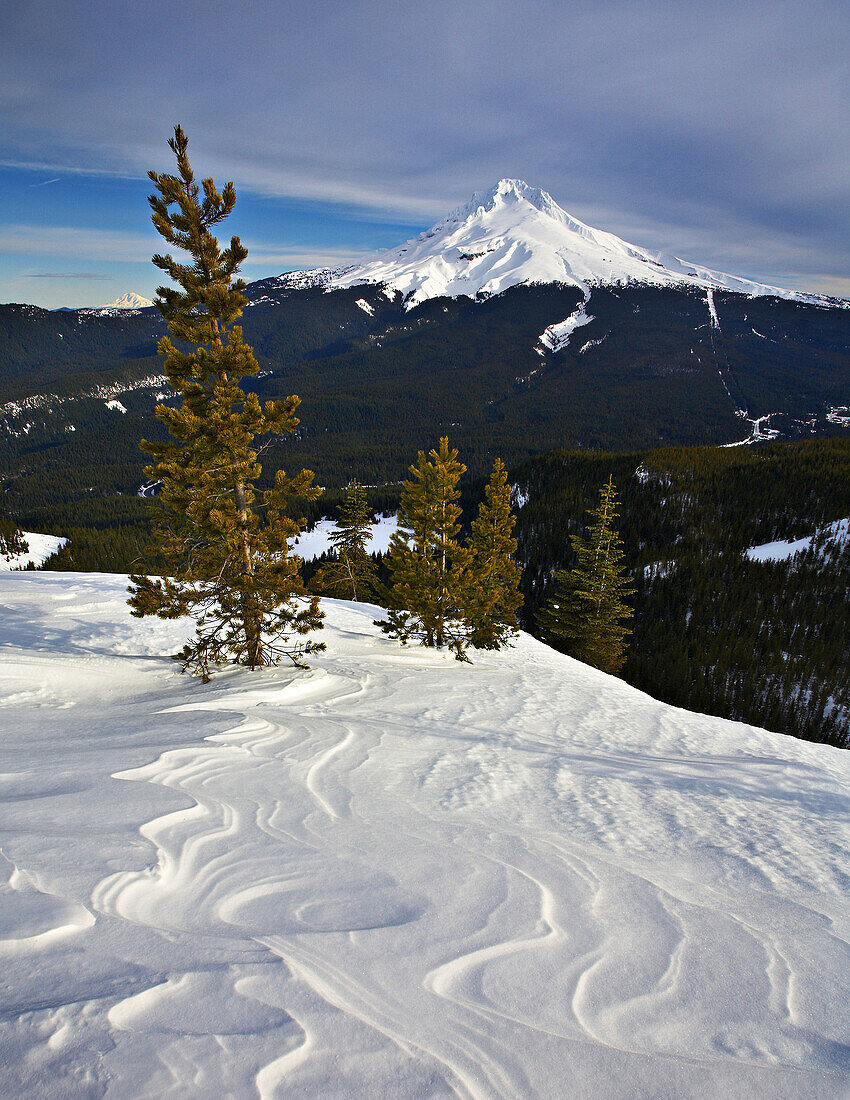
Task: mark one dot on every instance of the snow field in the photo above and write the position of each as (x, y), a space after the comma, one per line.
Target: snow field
(396, 875)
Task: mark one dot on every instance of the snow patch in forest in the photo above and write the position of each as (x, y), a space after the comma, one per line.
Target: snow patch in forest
(315, 542)
(556, 337)
(658, 570)
(41, 547)
(712, 308)
(761, 431)
(828, 539)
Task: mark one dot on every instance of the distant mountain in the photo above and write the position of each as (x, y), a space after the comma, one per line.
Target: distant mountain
(510, 326)
(131, 300)
(515, 234)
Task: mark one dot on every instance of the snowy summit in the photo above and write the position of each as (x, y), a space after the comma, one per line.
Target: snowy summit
(394, 875)
(513, 234)
(131, 300)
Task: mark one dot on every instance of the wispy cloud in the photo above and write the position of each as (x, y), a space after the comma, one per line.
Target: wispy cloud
(67, 168)
(122, 247)
(65, 275)
(283, 256)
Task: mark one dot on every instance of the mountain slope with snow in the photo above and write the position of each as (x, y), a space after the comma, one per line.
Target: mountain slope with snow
(395, 875)
(516, 234)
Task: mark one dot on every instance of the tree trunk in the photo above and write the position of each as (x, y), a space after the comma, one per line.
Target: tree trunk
(250, 618)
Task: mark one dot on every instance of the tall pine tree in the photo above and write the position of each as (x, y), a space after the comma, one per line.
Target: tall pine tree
(494, 597)
(429, 568)
(586, 616)
(227, 566)
(352, 575)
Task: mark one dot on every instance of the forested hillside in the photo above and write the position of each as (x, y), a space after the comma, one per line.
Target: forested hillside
(765, 642)
(647, 366)
(761, 641)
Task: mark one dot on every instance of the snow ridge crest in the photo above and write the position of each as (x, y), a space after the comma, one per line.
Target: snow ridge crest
(506, 192)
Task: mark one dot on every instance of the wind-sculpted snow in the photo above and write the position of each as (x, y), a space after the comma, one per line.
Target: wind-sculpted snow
(397, 876)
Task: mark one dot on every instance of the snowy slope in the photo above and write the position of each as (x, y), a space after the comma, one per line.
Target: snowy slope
(39, 549)
(515, 234)
(399, 876)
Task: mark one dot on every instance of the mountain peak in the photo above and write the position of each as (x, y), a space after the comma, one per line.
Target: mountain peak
(515, 233)
(130, 300)
(506, 192)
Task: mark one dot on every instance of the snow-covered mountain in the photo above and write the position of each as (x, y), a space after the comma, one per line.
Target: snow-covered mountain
(131, 300)
(397, 876)
(516, 234)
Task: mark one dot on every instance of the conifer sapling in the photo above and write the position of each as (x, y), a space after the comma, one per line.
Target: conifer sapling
(352, 575)
(586, 616)
(429, 568)
(494, 596)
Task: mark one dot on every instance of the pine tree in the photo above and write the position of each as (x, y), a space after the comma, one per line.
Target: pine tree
(228, 567)
(586, 615)
(12, 541)
(494, 596)
(352, 575)
(429, 569)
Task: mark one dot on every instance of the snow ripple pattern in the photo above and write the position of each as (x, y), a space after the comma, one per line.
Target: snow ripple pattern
(395, 875)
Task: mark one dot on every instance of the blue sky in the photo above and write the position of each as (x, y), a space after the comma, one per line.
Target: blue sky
(717, 131)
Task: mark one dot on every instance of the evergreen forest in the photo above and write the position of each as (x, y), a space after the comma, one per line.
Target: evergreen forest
(763, 642)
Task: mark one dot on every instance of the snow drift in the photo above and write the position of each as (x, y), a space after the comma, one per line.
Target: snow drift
(396, 875)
